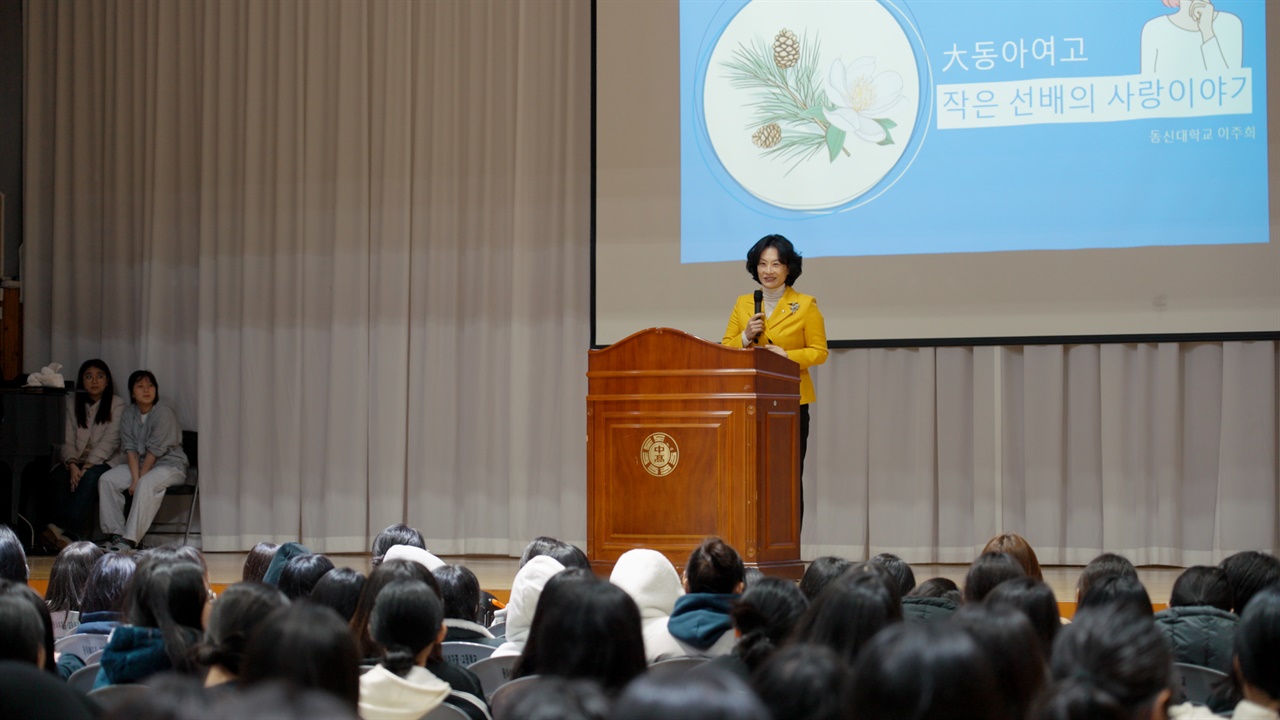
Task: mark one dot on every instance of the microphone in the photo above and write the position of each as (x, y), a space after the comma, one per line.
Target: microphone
(759, 298)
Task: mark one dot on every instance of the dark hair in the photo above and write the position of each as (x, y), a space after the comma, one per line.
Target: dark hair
(103, 415)
(935, 587)
(1036, 601)
(382, 576)
(925, 672)
(787, 255)
(13, 559)
(1019, 549)
(853, 608)
(584, 627)
(138, 375)
(988, 571)
(169, 596)
(709, 694)
(339, 589)
(407, 617)
(68, 575)
(1012, 648)
(459, 590)
(820, 572)
(21, 629)
(898, 569)
(1249, 572)
(301, 573)
(168, 697)
(309, 646)
(175, 552)
(239, 611)
(108, 580)
(714, 567)
(570, 556)
(257, 561)
(1114, 591)
(751, 576)
(764, 616)
(1203, 585)
(553, 698)
(1104, 564)
(1257, 642)
(9, 588)
(804, 682)
(392, 535)
(281, 701)
(1108, 663)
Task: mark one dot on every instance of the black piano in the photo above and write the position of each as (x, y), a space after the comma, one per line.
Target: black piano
(32, 421)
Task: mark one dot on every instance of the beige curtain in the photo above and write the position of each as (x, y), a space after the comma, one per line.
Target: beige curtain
(351, 239)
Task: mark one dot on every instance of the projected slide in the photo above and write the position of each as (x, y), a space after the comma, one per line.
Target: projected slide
(955, 126)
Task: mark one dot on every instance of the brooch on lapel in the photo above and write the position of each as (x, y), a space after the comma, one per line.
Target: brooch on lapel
(795, 308)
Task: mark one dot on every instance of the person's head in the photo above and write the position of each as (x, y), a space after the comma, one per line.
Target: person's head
(1203, 585)
(553, 698)
(1104, 564)
(803, 682)
(407, 621)
(1019, 549)
(460, 592)
(1257, 647)
(584, 627)
(95, 380)
(21, 593)
(339, 589)
(1012, 648)
(68, 575)
(21, 630)
(257, 561)
(925, 672)
(239, 611)
(570, 556)
(898, 569)
(13, 559)
(935, 588)
(714, 567)
(650, 579)
(709, 694)
(144, 391)
(382, 576)
(1249, 572)
(773, 261)
(171, 597)
(168, 697)
(849, 612)
(764, 616)
(988, 571)
(819, 573)
(751, 576)
(175, 552)
(1036, 601)
(398, 534)
(1113, 591)
(307, 645)
(1108, 663)
(105, 587)
(301, 574)
(280, 700)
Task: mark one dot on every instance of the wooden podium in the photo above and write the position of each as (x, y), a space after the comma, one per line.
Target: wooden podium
(687, 438)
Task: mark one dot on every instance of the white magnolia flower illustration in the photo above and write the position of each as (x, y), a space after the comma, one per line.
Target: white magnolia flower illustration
(861, 96)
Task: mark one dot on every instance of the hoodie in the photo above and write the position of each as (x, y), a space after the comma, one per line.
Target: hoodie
(387, 696)
(283, 555)
(415, 554)
(132, 654)
(526, 588)
(652, 582)
(701, 623)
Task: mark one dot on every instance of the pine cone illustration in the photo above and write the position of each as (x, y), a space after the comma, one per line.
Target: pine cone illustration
(767, 136)
(786, 49)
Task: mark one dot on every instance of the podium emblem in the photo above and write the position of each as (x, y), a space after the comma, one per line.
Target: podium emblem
(659, 454)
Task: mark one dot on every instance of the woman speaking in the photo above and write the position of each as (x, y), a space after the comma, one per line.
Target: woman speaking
(788, 322)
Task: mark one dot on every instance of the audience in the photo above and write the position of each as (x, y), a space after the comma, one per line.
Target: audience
(526, 588)
(1104, 564)
(762, 618)
(339, 589)
(988, 571)
(898, 569)
(104, 590)
(238, 612)
(19, 592)
(1257, 651)
(460, 593)
(1019, 549)
(258, 560)
(821, 572)
(66, 582)
(1013, 650)
(13, 559)
(849, 612)
(700, 620)
(570, 556)
(398, 534)
(307, 646)
(1249, 572)
(712, 695)
(1035, 600)
(30, 693)
(1199, 624)
(556, 698)
(21, 629)
(1115, 591)
(933, 599)
(653, 583)
(804, 682)
(300, 575)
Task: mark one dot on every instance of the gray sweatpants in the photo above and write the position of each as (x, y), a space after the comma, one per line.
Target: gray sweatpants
(112, 488)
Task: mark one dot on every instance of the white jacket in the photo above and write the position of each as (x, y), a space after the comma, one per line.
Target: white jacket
(387, 696)
(526, 588)
(651, 580)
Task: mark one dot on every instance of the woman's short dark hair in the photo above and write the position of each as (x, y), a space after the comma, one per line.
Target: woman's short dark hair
(1108, 663)
(553, 698)
(169, 596)
(709, 694)
(301, 574)
(68, 575)
(1104, 564)
(925, 672)
(787, 255)
(398, 534)
(406, 620)
(584, 627)
(382, 576)
(1113, 591)
(853, 608)
(459, 590)
(21, 628)
(138, 375)
(281, 701)
(988, 571)
(175, 552)
(25, 594)
(804, 682)
(257, 561)
(820, 572)
(935, 587)
(570, 556)
(714, 567)
(1036, 601)
(898, 569)
(764, 616)
(240, 610)
(105, 587)
(1257, 642)
(309, 646)
(13, 559)
(103, 415)
(339, 589)
(1011, 645)
(1203, 585)
(1249, 572)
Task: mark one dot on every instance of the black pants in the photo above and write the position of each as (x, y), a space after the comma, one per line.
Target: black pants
(804, 448)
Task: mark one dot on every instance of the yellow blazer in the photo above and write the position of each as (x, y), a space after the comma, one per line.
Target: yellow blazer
(795, 325)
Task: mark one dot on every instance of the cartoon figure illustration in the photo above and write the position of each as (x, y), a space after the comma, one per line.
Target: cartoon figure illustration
(1196, 39)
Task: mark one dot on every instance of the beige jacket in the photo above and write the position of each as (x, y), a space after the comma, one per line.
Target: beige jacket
(100, 442)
